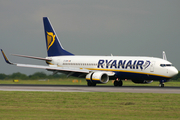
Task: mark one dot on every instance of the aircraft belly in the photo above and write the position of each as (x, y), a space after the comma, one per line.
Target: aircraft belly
(128, 75)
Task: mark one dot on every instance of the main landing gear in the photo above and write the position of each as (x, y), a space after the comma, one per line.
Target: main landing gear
(118, 82)
(91, 84)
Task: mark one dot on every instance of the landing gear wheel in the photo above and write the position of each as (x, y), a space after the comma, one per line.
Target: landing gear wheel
(118, 83)
(115, 83)
(162, 82)
(91, 84)
(162, 85)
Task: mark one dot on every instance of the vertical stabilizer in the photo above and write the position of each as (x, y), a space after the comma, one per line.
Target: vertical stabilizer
(54, 47)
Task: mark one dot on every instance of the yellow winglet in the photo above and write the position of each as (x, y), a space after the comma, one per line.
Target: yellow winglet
(5, 58)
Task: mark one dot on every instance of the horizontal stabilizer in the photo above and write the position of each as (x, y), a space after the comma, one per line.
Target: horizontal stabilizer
(51, 68)
(33, 57)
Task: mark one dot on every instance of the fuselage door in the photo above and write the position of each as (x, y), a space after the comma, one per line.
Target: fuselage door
(152, 66)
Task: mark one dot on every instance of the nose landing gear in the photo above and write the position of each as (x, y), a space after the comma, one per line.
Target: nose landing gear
(162, 83)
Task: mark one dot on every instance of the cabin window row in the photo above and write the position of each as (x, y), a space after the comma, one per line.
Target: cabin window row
(88, 64)
(94, 64)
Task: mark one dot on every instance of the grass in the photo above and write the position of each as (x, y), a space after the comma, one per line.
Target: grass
(69, 81)
(88, 106)
(79, 106)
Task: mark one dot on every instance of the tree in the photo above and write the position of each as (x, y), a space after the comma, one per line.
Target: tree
(3, 76)
(176, 77)
(38, 75)
(18, 75)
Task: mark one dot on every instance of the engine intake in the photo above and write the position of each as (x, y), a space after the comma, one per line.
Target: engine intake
(97, 77)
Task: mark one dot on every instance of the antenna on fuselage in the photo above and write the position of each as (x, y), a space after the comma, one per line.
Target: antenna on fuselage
(164, 55)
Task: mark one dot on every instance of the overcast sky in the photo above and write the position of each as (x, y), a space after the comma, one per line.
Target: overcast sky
(90, 27)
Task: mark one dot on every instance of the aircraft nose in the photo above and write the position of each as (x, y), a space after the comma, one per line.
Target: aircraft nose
(173, 72)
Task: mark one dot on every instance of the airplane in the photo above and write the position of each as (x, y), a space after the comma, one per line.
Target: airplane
(100, 69)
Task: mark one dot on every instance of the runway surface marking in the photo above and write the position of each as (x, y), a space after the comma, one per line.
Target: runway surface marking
(82, 88)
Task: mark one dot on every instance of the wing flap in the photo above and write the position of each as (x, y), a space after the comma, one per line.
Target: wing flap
(54, 68)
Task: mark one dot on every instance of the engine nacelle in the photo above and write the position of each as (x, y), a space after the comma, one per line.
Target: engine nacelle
(142, 81)
(97, 77)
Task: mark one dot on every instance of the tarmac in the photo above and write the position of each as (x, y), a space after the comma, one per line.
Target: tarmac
(84, 88)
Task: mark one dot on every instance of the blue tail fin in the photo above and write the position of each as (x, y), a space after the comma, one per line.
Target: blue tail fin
(53, 45)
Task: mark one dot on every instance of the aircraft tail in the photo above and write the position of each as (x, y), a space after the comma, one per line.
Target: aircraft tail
(54, 47)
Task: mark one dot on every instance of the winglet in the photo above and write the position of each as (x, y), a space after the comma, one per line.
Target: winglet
(164, 55)
(5, 58)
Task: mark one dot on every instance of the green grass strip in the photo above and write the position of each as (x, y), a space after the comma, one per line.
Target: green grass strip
(88, 106)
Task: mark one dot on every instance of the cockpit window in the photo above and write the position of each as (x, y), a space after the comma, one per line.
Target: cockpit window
(168, 65)
(164, 65)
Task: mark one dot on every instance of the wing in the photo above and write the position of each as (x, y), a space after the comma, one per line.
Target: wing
(51, 68)
(68, 70)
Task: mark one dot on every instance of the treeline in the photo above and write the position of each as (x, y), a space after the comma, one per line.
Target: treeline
(35, 76)
(177, 77)
(42, 75)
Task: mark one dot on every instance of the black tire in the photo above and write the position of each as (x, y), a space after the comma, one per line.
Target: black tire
(162, 85)
(116, 83)
(91, 84)
(120, 83)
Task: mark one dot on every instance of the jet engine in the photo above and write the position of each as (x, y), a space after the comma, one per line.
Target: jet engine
(142, 81)
(97, 77)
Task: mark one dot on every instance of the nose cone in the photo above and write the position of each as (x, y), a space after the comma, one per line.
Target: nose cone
(173, 72)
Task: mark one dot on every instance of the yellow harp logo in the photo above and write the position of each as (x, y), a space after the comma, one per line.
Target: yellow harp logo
(50, 39)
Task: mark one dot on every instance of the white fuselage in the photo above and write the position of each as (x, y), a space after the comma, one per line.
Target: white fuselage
(123, 66)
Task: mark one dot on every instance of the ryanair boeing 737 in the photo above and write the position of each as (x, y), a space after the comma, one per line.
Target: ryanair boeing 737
(100, 69)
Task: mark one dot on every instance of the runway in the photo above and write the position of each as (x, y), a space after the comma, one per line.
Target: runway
(84, 88)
